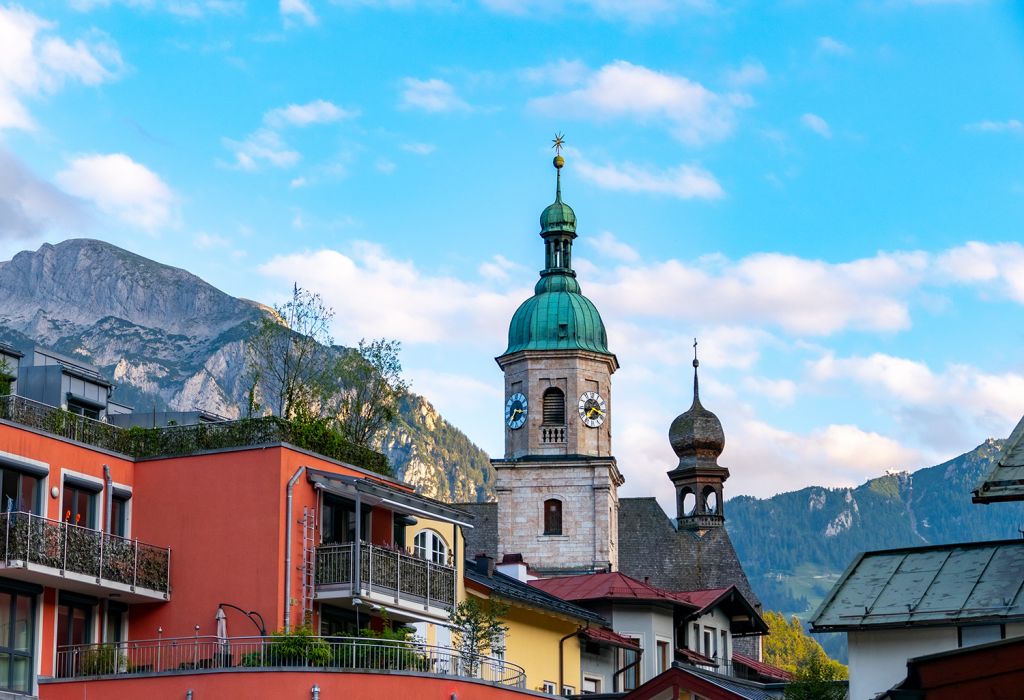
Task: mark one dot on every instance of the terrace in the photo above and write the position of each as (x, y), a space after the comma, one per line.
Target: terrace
(54, 553)
(149, 443)
(187, 655)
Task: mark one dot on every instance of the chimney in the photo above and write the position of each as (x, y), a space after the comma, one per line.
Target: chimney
(485, 565)
(514, 566)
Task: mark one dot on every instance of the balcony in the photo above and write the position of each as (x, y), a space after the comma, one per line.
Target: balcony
(148, 443)
(62, 555)
(286, 653)
(386, 577)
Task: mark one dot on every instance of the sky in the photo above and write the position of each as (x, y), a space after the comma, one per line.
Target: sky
(828, 195)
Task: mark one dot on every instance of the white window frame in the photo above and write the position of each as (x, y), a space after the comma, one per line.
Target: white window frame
(549, 687)
(433, 547)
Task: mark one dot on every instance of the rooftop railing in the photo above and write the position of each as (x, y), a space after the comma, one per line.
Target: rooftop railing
(33, 539)
(388, 571)
(188, 654)
(143, 443)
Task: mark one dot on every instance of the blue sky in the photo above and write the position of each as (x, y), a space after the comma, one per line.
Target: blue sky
(828, 194)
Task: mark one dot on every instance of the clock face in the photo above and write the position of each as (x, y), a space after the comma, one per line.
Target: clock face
(592, 409)
(515, 411)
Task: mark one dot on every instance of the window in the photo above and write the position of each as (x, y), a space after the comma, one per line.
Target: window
(552, 517)
(710, 642)
(79, 505)
(629, 663)
(17, 613)
(724, 648)
(74, 627)
(695, 641)
(554, 407)
(548, 687)
(663, 655)
(83, 410)
(339, 521)
(431, 546)
(19, 491)
(591, 685)
(119, 516)
(568, 691)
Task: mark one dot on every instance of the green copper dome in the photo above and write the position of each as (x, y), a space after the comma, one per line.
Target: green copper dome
(557, 316)
(558, 216)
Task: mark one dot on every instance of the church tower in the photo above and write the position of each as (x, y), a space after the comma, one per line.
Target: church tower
(557, 486)
(698, 439)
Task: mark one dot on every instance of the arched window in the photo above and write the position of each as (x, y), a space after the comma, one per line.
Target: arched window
(552, 517)
(687, 503)
(431, 546)
(710, 500)
(554, 406)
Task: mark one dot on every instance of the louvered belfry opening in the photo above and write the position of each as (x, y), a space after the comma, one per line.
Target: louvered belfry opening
(554, 407)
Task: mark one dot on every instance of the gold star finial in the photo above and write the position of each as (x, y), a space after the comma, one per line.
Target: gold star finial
(559, 142)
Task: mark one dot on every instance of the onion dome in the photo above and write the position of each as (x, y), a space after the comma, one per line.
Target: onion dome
(557, 316)
(696, 435)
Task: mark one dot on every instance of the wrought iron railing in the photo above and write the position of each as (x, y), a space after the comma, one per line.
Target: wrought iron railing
(388, 571)
(186, 654)
(28, 538)
(167, 441)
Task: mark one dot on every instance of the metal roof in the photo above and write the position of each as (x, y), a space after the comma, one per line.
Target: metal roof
(1006, 480)
(516, 591)
(953, 584)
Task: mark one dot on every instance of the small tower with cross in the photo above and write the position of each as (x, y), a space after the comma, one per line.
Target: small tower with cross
(698, 439)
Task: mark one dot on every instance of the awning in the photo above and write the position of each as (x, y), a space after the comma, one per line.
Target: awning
(376, 493)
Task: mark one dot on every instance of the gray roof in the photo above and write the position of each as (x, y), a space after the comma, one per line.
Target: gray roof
(512, 589)
(483, 538)
(751, 690)
(1006, 480)
(928, 586)
(677, 560)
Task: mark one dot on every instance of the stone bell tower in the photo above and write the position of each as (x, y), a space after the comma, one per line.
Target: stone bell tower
(557, 485)
(698, 440)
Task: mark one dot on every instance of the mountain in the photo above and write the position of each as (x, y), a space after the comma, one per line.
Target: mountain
(169, 340)
(795, 545)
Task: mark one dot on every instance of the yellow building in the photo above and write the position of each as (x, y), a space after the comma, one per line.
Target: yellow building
(545, 633)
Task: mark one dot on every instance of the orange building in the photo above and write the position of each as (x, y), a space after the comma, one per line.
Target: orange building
(158, 559)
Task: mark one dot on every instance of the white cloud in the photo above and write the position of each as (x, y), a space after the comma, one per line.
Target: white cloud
(634, 12)
(206, 241)
(827, 44)
(1011, 126)
(315, 112)
(682, 181)
(262, 147)
(410, 305)
(693, 113)
(611, 247)
(420, 149)
(190, 9)
(783, 391)
(798, 295)
(298, 10)
(817, 125)
(750, 73)
(433, 95)
(383, 165)
(561, 72)
(121, 187)
(997, 266)
(30, 206)
(34, 62)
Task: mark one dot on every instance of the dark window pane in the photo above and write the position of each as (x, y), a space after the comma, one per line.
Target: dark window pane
(552, 517)
(9, 490)
(28, 493)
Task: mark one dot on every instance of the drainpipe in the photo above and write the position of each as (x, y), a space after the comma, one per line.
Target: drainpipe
(639, 658)
(357, 561)
(288, 552)
(108, 484)
(561, 657)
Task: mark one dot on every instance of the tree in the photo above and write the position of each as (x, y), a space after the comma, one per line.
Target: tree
(790, 648)
(371, 385)
(289, 357)
(478, 631)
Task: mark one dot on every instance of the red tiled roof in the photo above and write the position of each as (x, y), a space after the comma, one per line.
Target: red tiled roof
(696, 657)
(606, 636)
(761, 667)
(614, 585)
(701, 599)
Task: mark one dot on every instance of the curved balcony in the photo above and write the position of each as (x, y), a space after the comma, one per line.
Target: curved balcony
(286, 653)
(59, 554)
